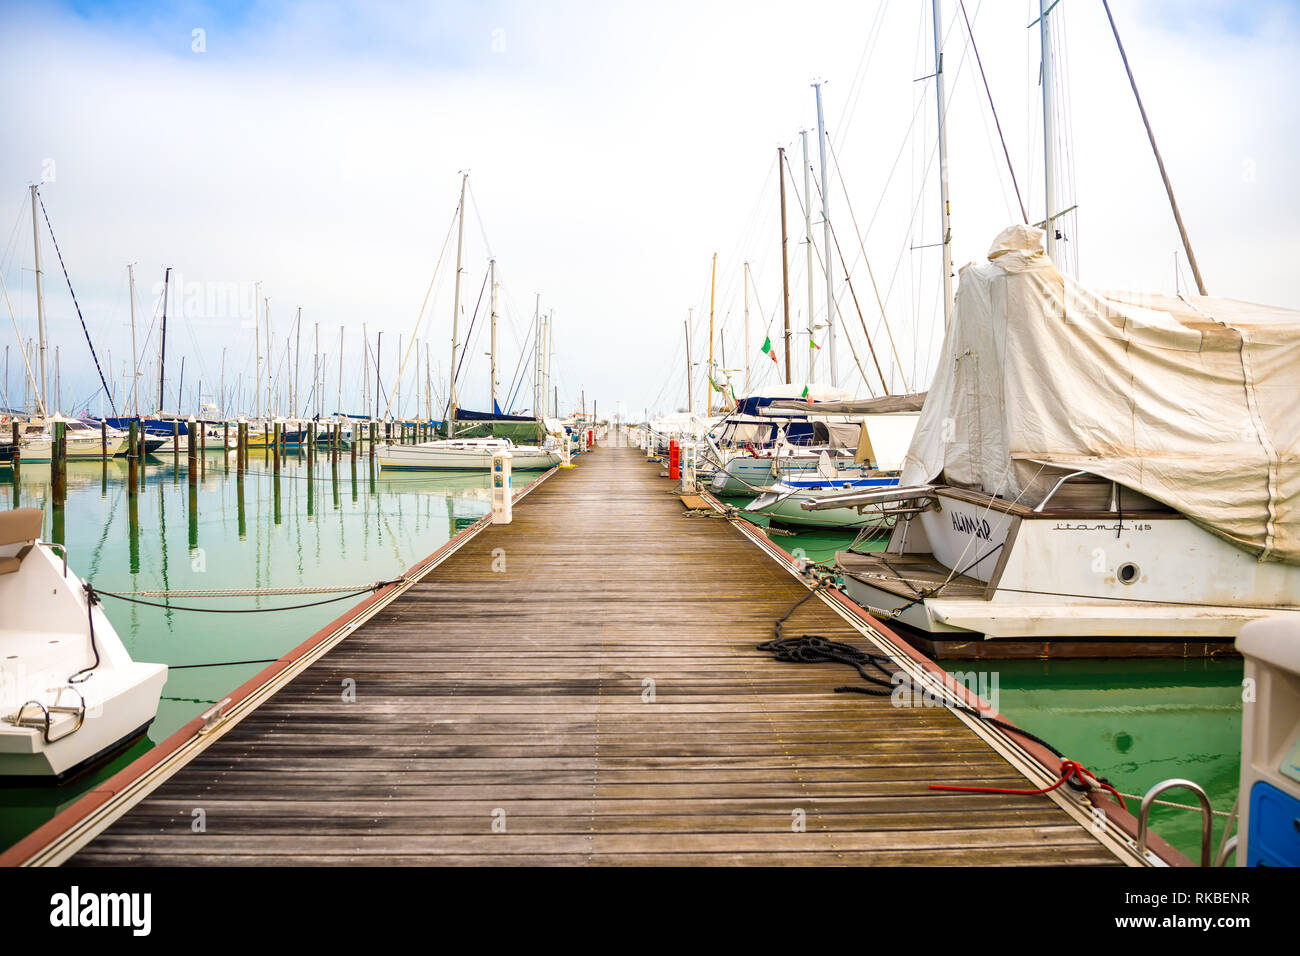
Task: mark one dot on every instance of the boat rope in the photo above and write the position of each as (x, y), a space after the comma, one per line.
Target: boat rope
(1177, 806)
(813, 649)
(91, 601)
(1071, 772)
(923, 593)
(181, 667)
(357, 592)
(250, 592)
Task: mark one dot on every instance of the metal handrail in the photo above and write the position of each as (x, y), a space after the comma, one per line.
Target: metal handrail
(1225, 851)
(1207, 815)
(1057, 487)
(878, 496)
(19, 720)
(55, 546)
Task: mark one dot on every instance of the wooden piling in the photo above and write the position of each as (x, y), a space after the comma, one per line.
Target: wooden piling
(59, 461)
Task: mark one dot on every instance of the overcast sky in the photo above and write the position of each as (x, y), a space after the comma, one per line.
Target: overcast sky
(613, 149)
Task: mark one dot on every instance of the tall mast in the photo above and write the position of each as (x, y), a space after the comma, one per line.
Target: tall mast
(944, 224)
(826, 237)
(1169, 189)
(40, 302)
(257, 349)
(315, 372)
(295, 394)
(785, 260)
(808, 240)
(455, 316)
(270, 349)
(221, 390)
(162, 347)
(492, 270)
(746, 283)
(537, 357)
(338, 402)
(1049, 130)
(550, 357)
(135, 367)
(712, 283)
(365, 368)
(690, 392)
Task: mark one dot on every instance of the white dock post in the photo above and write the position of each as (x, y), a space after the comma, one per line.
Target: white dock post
(688, 468)
(502, 495)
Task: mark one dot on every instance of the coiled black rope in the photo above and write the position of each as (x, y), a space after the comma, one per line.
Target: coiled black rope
(811, 649)
(814, 649)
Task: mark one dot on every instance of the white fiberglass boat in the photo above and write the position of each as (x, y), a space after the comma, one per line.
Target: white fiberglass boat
(464, 454)
(783, 503)
(749, 474)
(83, 440)
(70, 695)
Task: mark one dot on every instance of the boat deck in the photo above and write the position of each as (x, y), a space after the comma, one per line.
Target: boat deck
(909, 575)
(582, 687)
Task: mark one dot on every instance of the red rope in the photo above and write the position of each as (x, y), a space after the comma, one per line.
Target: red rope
(1069, 768)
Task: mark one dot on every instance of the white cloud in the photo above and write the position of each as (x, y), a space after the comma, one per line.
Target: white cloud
(613, 150)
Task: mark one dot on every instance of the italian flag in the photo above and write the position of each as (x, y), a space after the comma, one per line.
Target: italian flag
(768, 350)
(805, 392)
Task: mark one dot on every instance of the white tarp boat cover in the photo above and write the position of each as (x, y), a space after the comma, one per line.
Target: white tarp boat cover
(1191, 400)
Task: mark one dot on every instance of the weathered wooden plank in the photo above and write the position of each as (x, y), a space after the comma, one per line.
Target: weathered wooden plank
(520, 697)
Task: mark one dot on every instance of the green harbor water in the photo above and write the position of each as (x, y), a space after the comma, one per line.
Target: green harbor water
(1135, 722)
(344, 526)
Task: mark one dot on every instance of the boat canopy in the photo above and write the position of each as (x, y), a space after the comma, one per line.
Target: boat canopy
(466, 415)
(883, 405)
(751, 402)
(1190, 400)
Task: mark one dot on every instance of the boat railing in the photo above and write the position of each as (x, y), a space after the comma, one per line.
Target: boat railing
(1207, 815)
(1057, 487)
(922, 497)
(55, 546)
(20, 718)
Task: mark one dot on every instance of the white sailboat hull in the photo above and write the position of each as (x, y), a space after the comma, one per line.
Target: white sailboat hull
(786, 507)
(436, 456)
(79, 448)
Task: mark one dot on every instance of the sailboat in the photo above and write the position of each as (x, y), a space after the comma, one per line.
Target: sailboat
(1142, 494)
(884, 433)
(467, 454)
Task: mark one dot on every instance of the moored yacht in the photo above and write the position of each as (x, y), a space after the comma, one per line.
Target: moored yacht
(1093, 466)
(465, 454)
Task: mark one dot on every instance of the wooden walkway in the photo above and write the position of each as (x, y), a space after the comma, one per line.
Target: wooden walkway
(503, 715)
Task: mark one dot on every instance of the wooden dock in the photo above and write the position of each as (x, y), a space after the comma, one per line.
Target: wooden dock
(582, 687)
